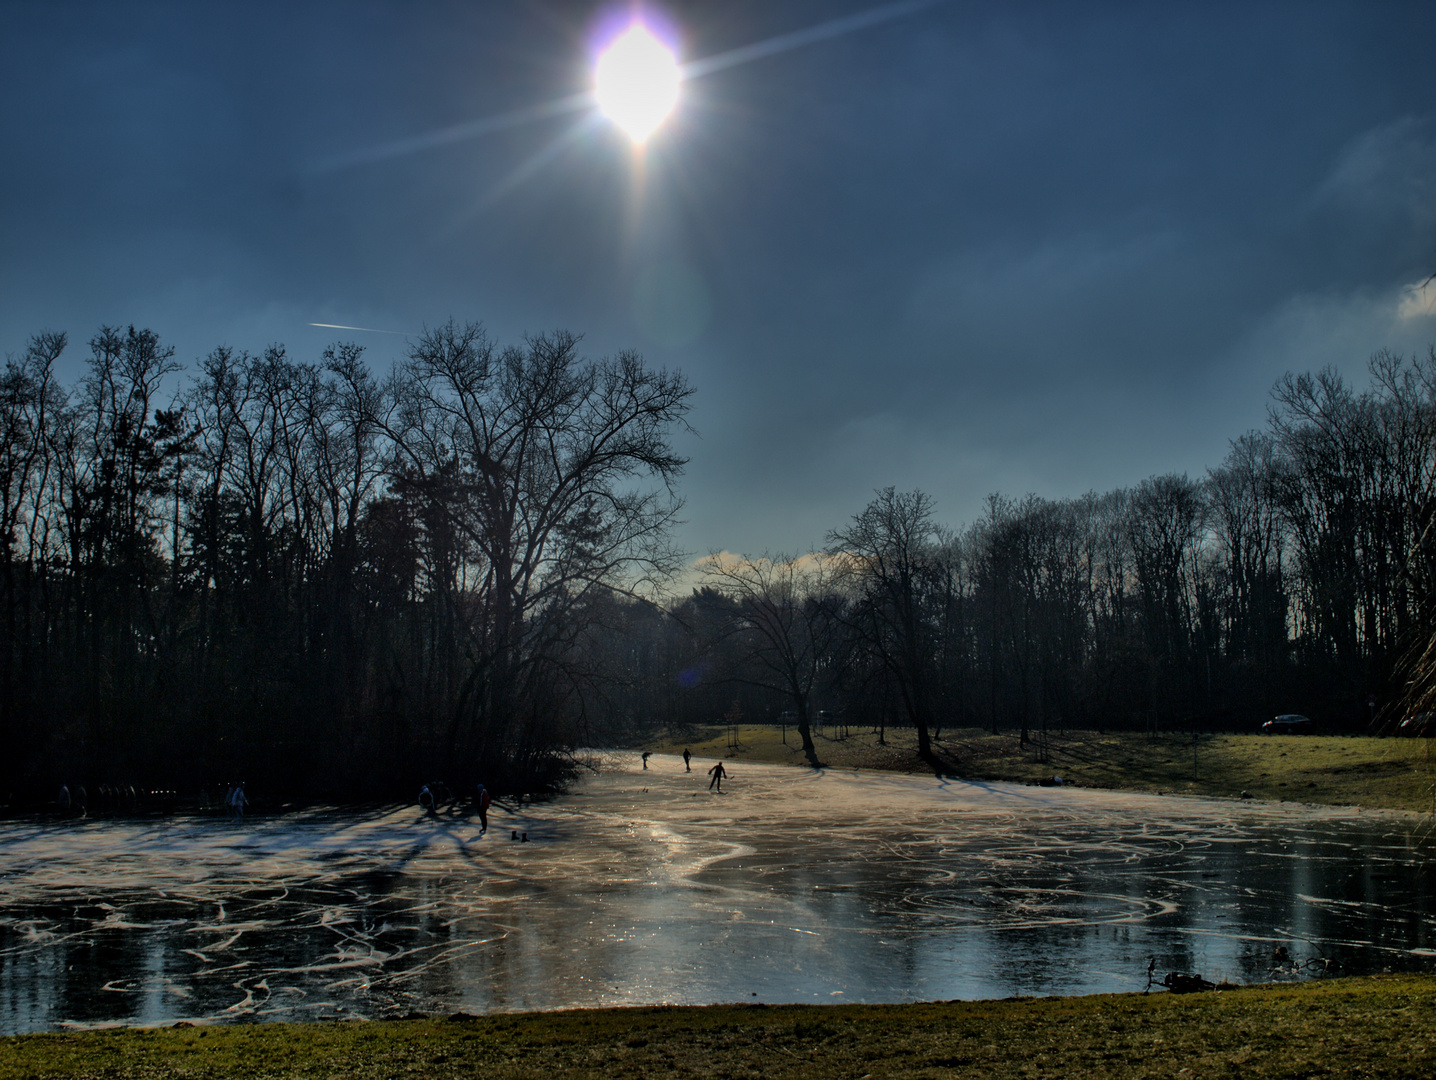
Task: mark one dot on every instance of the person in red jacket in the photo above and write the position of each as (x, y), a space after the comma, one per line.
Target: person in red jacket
(481, 800)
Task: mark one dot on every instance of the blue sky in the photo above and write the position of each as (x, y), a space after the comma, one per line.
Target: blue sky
(978, 247)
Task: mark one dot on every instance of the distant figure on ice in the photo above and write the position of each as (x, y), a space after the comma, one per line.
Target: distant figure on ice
(687, 757)
(427, 801)
(646, 755)
(481, 800)
(717, 772)
(63, 799)
(237, 801)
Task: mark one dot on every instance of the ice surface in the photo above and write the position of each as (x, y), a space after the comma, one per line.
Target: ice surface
(643, 887)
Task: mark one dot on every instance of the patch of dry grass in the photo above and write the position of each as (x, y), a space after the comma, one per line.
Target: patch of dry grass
(1392, 774)
(1383, 1026)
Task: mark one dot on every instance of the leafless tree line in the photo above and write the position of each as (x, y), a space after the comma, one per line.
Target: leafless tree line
(334, 584)
(312, 578)
(1297, 575)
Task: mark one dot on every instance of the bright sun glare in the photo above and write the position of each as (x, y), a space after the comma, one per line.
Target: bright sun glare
(636, 81)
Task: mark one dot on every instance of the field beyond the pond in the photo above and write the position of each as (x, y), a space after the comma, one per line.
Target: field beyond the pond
(1331, 770)
(1381, 1026)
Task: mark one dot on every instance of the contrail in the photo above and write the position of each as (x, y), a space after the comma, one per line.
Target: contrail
(744, 54)
(365, 329)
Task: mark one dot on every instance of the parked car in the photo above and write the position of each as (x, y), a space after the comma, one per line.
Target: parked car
(1288, 724)
(1421, 726)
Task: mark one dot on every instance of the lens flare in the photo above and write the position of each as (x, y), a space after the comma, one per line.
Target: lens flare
(636, 82)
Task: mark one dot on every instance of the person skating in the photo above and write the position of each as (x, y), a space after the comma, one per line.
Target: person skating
(717, 772)
(687, 757)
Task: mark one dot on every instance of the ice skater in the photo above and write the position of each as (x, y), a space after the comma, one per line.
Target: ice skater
(718, 773)
(687, 757)
(427, 801)
(646, 755)
(237, 801)
(481, 800)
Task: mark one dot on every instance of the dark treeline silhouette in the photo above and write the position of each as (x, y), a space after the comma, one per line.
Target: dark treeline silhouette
(1293, 577)
(332, 585)
(313, 580)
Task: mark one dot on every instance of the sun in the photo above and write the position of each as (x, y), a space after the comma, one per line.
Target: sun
(636, 82)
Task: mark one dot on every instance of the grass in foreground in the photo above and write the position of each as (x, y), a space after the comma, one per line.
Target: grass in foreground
(1392, 774)
(1384, 1026)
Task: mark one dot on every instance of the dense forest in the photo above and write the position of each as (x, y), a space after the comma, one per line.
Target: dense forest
(312, 580)
(334, 585)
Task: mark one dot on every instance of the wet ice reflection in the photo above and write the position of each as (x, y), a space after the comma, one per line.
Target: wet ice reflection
(643, 887)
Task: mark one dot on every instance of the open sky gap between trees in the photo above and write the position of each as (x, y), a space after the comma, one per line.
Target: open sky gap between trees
(333, 585)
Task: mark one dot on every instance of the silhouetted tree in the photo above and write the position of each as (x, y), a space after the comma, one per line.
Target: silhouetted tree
(541, 450)
(785, 626)
(889, 557)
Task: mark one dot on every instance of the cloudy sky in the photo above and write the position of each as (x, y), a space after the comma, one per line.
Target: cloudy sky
(967, 247)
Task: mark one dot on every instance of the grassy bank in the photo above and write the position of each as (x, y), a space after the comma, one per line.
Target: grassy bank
(1383, 1026)
(1393, 774)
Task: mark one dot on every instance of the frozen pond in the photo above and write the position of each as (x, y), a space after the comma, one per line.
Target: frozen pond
(642, 887)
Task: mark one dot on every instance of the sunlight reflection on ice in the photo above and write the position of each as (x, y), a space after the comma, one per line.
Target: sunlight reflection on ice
(642, 887)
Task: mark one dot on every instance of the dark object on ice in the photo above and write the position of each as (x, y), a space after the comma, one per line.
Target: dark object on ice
(646, 755)
(1175, 981)
(1280, 955)
(524, 838)
(515, 835)
(1050, 781)
(427, 800)
(1179, 983)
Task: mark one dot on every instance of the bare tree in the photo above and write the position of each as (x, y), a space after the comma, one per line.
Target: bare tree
(1251, 544)
(29, 397)
(1354, 492)
(786, 625)
(561, 482)
(889, 557)
(1165, 520)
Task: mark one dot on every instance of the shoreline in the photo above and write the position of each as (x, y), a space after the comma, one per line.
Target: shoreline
(1354, 772)
(1381, 1025)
